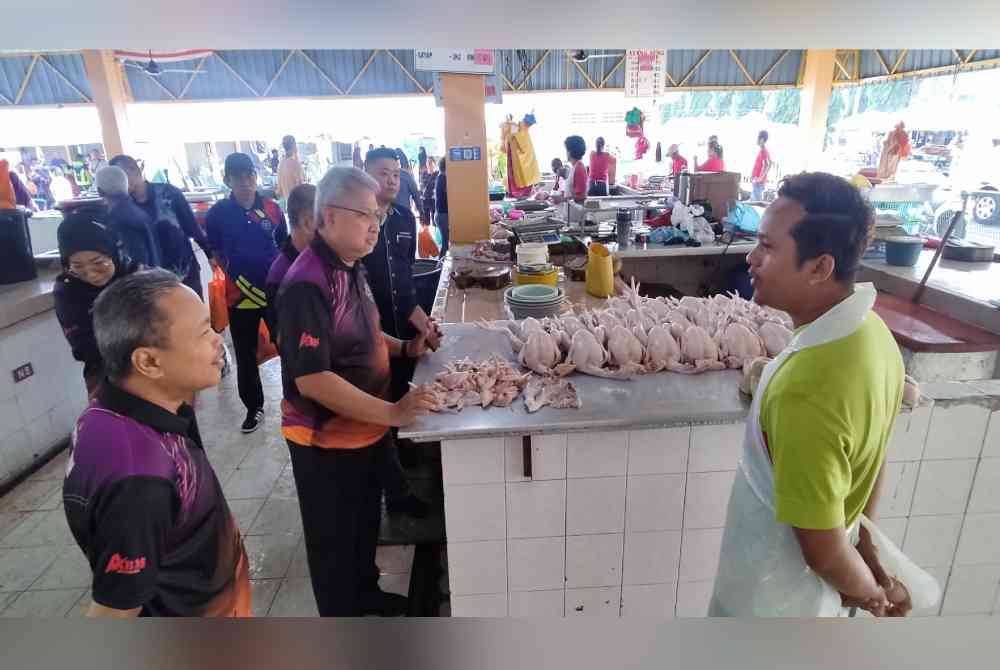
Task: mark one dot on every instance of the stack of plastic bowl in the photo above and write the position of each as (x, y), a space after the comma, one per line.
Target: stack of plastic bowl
(537, 300)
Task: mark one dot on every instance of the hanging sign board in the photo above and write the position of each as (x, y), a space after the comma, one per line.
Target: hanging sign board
(465, 154)
(464, 61)
(645, 73)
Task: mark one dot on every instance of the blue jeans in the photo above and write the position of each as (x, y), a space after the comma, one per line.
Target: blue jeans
(758, 192)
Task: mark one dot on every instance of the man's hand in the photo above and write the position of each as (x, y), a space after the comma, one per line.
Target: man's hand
(212, 263)
(416, 347)
(878, 606)
(433, 334)
(417, 402)
(899, 602)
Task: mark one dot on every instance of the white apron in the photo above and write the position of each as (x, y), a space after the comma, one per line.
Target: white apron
(762, 572)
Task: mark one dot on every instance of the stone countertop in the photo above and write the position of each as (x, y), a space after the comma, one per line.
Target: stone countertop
(650, 401)
(26, 299)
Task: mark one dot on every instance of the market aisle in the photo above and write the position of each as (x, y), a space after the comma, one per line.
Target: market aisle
(44, 574)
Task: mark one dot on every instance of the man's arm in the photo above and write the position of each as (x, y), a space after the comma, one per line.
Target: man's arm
(185, 217)
(830, 555)
(345, 399)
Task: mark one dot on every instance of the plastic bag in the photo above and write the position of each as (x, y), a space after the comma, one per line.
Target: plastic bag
(426, 247)
(265, 347)
(217, 307)
(924, 590)
(600, 271)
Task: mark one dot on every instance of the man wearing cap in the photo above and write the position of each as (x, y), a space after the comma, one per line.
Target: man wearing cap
(245, 230)
(141, 498)
(173, 221)
(132, 226)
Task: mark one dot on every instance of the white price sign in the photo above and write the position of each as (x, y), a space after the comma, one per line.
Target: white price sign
(467, 61)
(645, 73)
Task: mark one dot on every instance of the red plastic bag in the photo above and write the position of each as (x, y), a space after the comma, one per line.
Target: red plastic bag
(265, 347)
(217, 307)
(426, 246)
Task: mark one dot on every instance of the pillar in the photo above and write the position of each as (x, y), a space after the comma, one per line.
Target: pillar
(817, 89)
(107, 82)
(464, 99)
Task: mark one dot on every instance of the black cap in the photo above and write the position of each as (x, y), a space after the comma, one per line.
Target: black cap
(238, 163)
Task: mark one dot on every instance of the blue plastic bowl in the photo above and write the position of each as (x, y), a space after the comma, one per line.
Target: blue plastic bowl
(903, 251)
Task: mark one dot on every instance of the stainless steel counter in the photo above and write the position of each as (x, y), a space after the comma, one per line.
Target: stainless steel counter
(652, 401)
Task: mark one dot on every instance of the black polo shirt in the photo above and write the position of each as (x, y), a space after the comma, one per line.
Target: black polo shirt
(390, 272)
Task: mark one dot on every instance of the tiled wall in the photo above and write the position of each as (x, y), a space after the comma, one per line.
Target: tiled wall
(39, 412)
(630, 523)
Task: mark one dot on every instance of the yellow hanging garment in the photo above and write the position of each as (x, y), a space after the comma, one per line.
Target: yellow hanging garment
(522, 151)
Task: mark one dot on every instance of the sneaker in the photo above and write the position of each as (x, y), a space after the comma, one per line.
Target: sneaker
(411, 506)
(252, 423)
(380, 603)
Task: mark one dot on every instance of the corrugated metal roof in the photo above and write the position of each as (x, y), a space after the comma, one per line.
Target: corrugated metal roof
(240, 74)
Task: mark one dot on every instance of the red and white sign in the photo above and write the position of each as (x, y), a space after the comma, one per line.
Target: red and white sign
(467, 61)
(645, 73)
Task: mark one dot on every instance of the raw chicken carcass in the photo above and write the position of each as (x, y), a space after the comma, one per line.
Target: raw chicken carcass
(662, 351)
(699, 352)
(775, 336)
(540, 352)
(738, 344)
(752, 370)
(586, 355)
(552, 391)
(625, 349)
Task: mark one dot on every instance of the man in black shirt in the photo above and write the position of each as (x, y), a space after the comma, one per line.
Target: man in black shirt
(173, 222)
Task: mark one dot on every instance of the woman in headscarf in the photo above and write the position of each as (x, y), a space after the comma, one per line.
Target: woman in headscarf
(92, 260)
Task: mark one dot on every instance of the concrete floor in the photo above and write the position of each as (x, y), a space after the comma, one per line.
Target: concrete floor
(44, 574)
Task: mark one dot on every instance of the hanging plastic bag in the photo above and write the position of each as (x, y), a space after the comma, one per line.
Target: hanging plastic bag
(426, 247)
(924, 590)
(266, 350)
(217, 307)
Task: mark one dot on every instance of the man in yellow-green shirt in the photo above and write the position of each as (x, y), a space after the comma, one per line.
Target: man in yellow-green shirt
(822, 415)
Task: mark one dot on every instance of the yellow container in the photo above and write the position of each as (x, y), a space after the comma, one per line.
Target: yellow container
(600, 271)
(550, 278)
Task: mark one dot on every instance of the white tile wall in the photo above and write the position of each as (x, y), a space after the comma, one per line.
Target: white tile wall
(715, 447)
(980, 540)
(700, 554)
(649, 600)
(472, 461)
(604, 602)
(941, 575)
(655, 502)
(652, 558)
(477, 567)
(595, 505)
(894, 529)
(707, 498)
(991, 445)
(693, 598)
(957, 431)
(548, 458)
(909, 435)
(943, 487)
(897, 494)
(652, 452)
(489, 606)
(596, 454)
(536, 509)
(538, 603)
(536, 564)
(593, 560)
(986, 489)
(972, 589)
(931, 540)
(475, 512)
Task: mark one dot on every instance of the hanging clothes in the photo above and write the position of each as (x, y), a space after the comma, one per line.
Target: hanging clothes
(525, 165)
(507, 132)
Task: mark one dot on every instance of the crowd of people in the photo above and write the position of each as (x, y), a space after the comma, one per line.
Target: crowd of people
(41, 185)
(576, 181)
(333, 283)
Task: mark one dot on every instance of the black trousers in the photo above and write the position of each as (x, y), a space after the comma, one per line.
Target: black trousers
(339, 498)
(244, 325)
(598, 188)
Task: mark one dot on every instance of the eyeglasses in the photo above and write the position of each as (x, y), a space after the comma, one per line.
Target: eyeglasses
(374, 216)
(96, 265)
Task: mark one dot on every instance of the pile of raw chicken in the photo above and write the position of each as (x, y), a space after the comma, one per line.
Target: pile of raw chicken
(637, 335)
(495, 382)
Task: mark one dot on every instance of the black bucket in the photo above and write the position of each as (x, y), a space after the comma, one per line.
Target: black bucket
(17, 260)
(426, 276)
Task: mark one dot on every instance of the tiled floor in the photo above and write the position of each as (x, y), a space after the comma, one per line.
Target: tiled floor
(44, 574)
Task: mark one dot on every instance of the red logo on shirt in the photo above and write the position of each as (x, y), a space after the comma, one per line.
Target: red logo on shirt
(308, 340)
(126, 566)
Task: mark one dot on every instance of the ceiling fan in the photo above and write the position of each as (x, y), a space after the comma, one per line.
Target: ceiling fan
(153, 69)
(581, 56)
